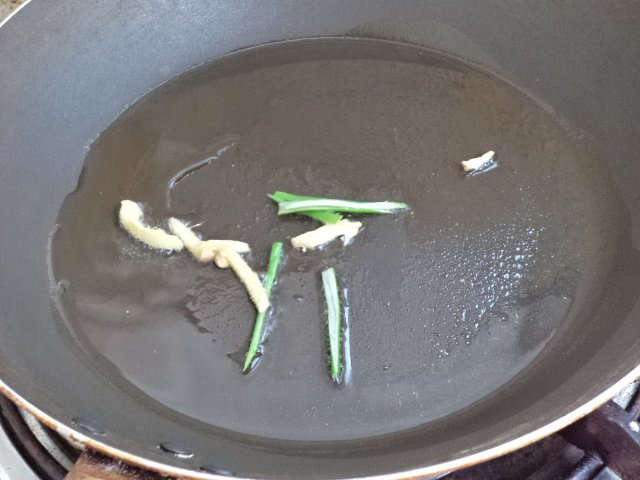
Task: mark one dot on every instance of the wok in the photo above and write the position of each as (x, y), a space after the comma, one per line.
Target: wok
(502, 308)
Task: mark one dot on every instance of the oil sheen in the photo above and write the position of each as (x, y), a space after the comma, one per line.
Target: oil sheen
(447, 302)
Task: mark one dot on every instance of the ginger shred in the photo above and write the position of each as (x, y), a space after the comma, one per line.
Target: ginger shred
(347, 229)
(248, 277)
(478, 163)
(131, 218)
(204, 250)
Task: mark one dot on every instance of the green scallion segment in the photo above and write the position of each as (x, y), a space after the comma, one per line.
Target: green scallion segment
(343, 206)
(269, 280)
(334, 317)
(326, 217)
(289, 197)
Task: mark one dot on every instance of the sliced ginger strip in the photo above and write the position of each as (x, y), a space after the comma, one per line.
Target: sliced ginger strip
(131, 218)
(221, 261)
(478, 162)
(248, 277)
(225, 254)
(347, 229)
(204, 250)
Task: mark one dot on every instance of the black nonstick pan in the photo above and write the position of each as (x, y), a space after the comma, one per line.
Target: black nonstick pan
(501, 308)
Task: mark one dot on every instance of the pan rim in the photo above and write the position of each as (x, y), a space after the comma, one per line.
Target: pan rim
(435, 469)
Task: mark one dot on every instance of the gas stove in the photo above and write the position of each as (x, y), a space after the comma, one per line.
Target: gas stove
(28, 450)
(605, 445)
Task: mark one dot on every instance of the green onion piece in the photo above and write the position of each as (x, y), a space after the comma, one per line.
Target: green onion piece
(307, 206)
(269, 280)
(289, 197)
(325, 217)
(334, 316)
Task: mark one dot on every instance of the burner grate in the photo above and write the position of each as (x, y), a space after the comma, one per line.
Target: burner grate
(42, 461)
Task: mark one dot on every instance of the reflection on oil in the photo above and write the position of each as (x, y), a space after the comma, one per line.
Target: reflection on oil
(224, 145)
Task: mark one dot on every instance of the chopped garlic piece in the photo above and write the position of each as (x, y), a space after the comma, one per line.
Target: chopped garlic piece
(130, 217)
(204, 250)
(346, 229)
(247, 276)
(478, 162)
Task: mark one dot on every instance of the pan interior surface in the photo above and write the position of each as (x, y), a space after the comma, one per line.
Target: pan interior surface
(447, 303)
